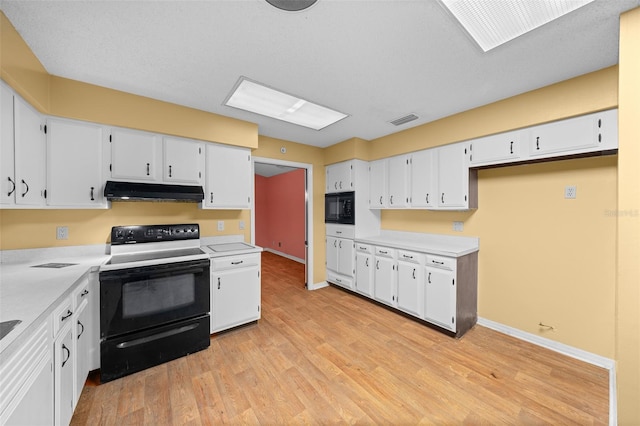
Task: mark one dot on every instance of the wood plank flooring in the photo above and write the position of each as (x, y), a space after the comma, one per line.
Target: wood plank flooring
(328, 356)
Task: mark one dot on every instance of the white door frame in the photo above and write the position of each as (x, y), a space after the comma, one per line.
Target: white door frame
(309, 209)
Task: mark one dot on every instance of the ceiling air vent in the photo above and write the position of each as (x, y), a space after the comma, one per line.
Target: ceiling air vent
(403, 120)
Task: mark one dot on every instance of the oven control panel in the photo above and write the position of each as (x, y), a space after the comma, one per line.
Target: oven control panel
(150, 233)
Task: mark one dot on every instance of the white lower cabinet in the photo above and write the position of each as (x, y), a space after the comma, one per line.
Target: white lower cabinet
(64, 364)
(364, 269)
(440, 297)
(235, 291)
(410, 282)
(26, 381)
(384, 280)
(340, 255)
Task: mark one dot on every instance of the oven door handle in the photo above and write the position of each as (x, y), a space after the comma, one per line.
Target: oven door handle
(154, 271)
(143, 340)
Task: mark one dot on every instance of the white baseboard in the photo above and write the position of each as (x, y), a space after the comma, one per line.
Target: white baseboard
(321, 284)
(288, 256)
(588, 357)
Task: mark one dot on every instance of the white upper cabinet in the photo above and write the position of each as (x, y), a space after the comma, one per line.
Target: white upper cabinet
(183, 161)
(591, 132)
(496, 149)
(75, 164)
(423, 178)
(398, 181)
(453, 177)
(7, 171)
(378, 184)
(135, 155)
(228, 177)
(29, 155)
(339, 177)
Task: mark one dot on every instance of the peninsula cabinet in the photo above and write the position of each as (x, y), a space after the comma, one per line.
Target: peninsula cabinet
(75, 164)
(339, 177)
(23, 153)
(451, 292)
(229, 177)
(26, 381)
(64, 358)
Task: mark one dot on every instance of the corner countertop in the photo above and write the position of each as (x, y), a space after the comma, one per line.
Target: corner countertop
(30, 294)
(438, 244)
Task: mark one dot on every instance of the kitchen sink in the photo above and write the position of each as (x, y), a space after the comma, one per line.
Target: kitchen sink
(7, 326)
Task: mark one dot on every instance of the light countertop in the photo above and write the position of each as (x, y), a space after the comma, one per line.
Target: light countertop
(443, 245)
(30, 294)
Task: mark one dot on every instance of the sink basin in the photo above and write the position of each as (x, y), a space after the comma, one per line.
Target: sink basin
(7, 326)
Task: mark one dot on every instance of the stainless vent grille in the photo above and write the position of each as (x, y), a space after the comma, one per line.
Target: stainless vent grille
(402, 120)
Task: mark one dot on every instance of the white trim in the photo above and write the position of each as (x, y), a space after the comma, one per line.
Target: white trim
(317, 286)
(588, 357)
(279, 253)
(309, 190)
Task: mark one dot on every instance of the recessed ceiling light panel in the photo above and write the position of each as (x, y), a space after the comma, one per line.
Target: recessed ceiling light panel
(492, 23)
(260, 99)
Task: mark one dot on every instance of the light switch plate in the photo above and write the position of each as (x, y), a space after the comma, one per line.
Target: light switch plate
(221, 225)
(241, 225)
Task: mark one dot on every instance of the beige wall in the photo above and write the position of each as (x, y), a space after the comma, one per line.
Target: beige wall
(628, 244)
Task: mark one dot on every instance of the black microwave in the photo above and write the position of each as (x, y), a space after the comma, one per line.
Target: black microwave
(340, 208)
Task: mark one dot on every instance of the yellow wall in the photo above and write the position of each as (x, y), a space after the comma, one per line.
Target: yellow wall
(270, 148)
(628, 307)
(347, 150)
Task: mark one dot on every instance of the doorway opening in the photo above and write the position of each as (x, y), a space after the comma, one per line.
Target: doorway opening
(290, 231)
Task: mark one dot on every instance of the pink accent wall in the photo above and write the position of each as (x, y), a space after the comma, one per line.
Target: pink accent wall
(280, 212)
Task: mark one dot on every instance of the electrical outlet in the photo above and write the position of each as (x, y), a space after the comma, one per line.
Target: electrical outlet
(570, 191)
(241, 225)
(221, 225)
(62, 233)
(458, 226)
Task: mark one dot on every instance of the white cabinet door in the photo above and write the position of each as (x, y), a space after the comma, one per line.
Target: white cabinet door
(378, 184)
(75, 164)
(235, 297)
(440, 298)
(345, 257)
(385, 280)
(567, 135)
(183, 161)
(228, 177)
(332, 253)
(453, 177)
(410, 287)
(7, 171)
(82, 346)
(339, 177)
(398, 181)
(30, 155)
(364, 273)
(135, 155)
(36, 404)
(423, 178)
(64, 366)
(496, 149)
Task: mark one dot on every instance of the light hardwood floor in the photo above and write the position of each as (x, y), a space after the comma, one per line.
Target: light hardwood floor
(328, 356)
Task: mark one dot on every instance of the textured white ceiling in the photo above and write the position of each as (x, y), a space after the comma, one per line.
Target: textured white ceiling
(374, 60)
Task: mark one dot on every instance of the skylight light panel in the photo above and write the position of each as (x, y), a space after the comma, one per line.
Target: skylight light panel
(259, 99)
(494, 22)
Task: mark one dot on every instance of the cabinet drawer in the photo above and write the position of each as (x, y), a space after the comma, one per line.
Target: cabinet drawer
(410, 256)
(81, 293)
(340, 280)
(62, 315)
(448, 263)
(385, 252)
(234, 262)
(364, 248)
(342, 231)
